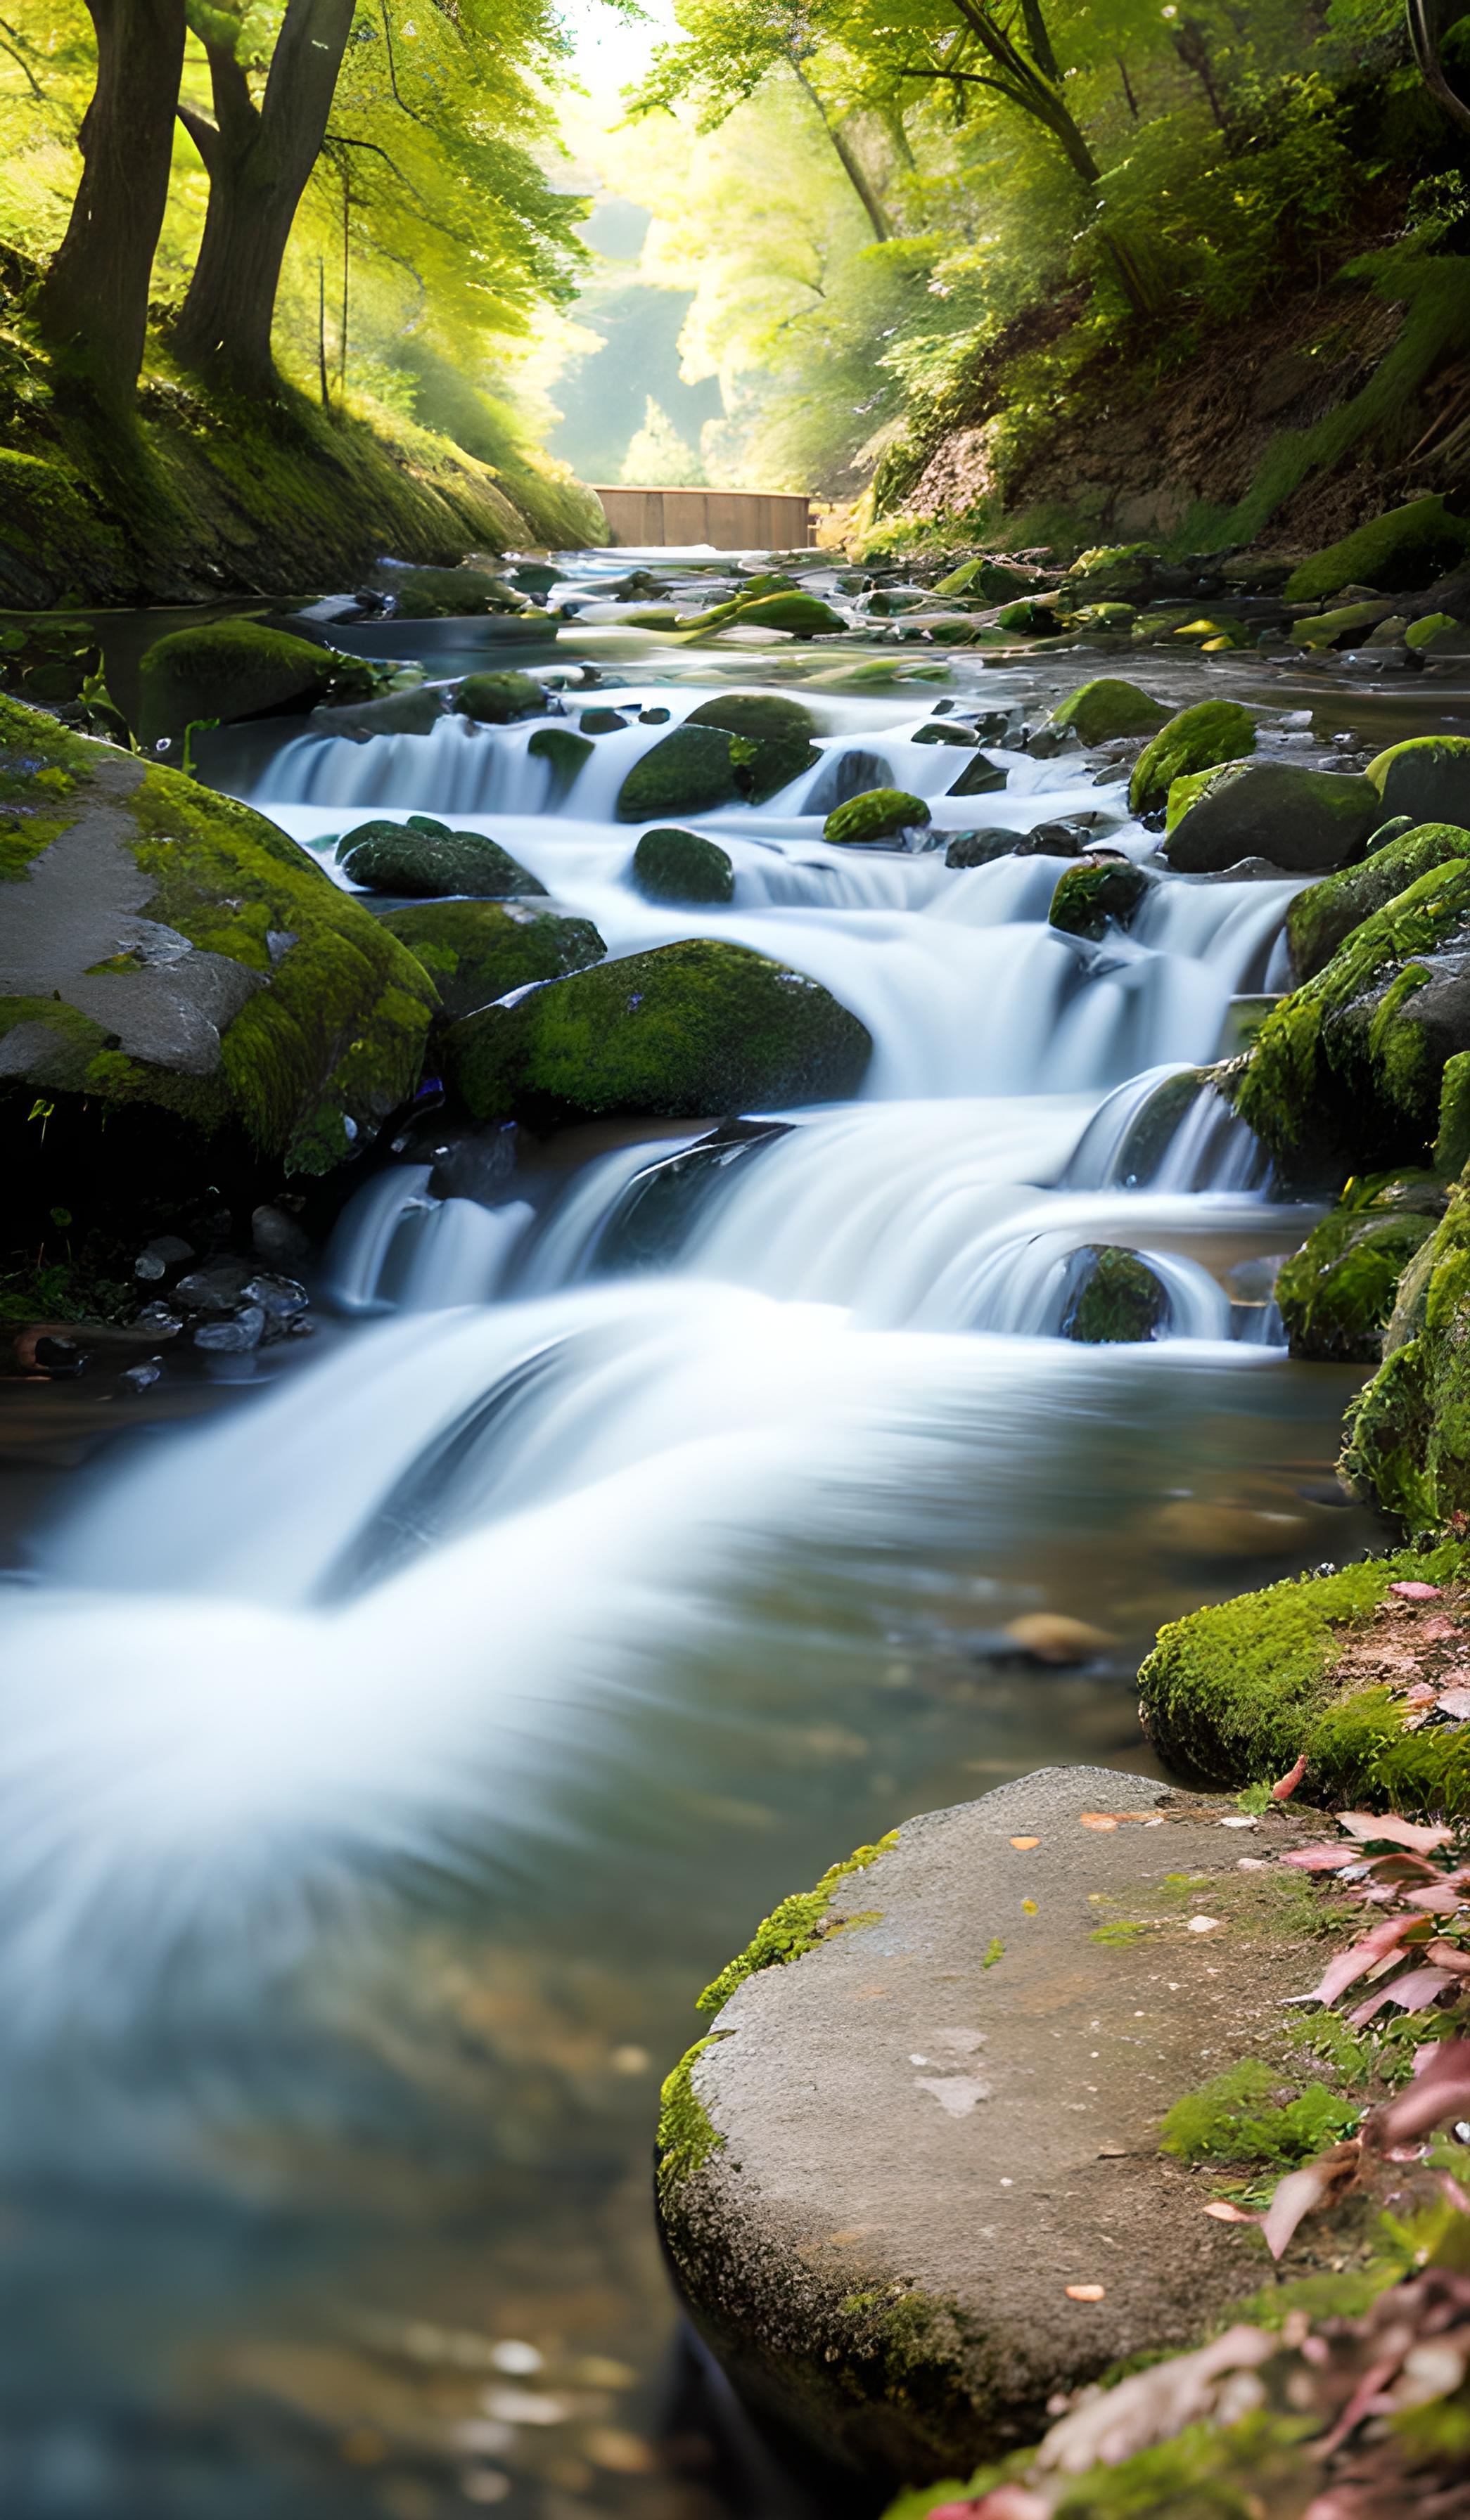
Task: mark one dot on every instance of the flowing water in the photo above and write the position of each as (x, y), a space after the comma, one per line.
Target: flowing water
(389, 1758)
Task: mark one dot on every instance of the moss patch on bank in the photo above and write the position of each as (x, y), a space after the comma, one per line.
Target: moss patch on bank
(796, 1926)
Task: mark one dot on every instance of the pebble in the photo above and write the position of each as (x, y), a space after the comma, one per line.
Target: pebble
(233, 1337)
(135, 1379)
(1053, 1638)
(280, 1299)
(216, 1289)
(59, 1356)
(166, 1251)
(159, 1318)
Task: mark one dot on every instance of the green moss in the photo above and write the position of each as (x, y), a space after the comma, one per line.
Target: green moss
(1337, 628)
(1240, 1688)
(765, 717)
(686, 2138)
(988, 578)
(1233, 2118)
(1211, 732)
(1096, 894)
(479, 950)
(1427, 777)
(1402, 548)
(796, 1926)
(77, 1040)
(1120, 1933)
(1324, 915)
(699, 1029)
(804, 617)
(1338, 1291)
(388, 857)
(1108, 707)
(1409, 1431)
(235, 669)
(565, 752)
(1112, 1297)
(688, 772)
(880, 814)
(496, 700)
(678, 866)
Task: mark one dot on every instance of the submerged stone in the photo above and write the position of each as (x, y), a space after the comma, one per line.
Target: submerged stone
(879, 814)
(701, 1028)
(239, 669)
(1302, 820)
(477, 951)
(1197, 739)
(1097, 892)
(679, 866)
(1112, 1297)
(386, 857)
(1100, 711)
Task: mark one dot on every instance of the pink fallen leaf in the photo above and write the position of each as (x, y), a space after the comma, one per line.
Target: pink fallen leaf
(1306, 2191)
(1449, 1955)
(1285, 1786)
(1004, 2502)
(1111, 2425)
(1452, 2192)
(1389, 1829)
(1348, 1966)
(1415, 1991)
(1320, 1859)
(1440, 2090)
(1414, 1592)
(1435, 1900)
(1454, 1701)
(1223, 2211)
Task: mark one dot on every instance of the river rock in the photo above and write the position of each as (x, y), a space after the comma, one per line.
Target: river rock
(239, 669)
(424, 594)
(992, 580)
(1303, 821)
(708, 761)
(477, 951)
(701, 1028)
(499, 699)
(1213, 731)
(1428, 777)
(137, 969)
(563, 751)
(1112, 1298)
(1324, 915)
(979, 849)
(927, 2103)
(1337, 1294)
(1403, 548)
(979, 778)
(1097, 892)
(405, 857)
(413, 712)
(678, 866)
(802, 617)
(879, 814)
(1100, 711)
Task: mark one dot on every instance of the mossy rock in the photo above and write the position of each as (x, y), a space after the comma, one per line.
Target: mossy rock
(1407, 547)
(1337, 1293)
(697, 1029)
(430, 865)
(764, 717)
(1113, 1298)
(804, 616)
(1322, 918)
(239, 669)
(1101, 710)
(880, 814)
(703, 764)
(499, 699)
(565, 752)
(992, 579)
(1350, 1068)
(1302, 820)
(1118, 569)
(422, 594)
(678, 866)
(477, 951)
(1238, 1691)
(1031, 617)
(1343, 628)
(1096, 892)
(1213, 731)
(1428, 777)
(170, 947)
(1409, 1431)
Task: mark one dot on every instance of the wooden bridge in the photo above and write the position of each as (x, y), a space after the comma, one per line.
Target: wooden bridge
(728, 519)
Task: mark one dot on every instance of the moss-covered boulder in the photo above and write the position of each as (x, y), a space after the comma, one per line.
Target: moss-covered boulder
(1198, 738)
(563, 751)
(422, 594)
(762, 717)
(1322, 918)
(1303, 819)
(431, 864)
(162, 946)
(1112, 1298)
(670, 864)
(880, 814)
(1349, 1070)
(738, 748)
(1030, 618)
(1428, 777)
(238, 669)
(477, 951)
(991, 579)
(1096, 892)
(1403, 548)
(498, 699)
(1337, 1293)
(1238, 1692)
(1409, 1431)
(698, 1030)
(1101, 710)
(1346, 625)
(802, 616)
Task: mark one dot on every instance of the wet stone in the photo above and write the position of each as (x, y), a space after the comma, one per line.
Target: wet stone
(216, 1289)
(236, 1336)
(166, 1251)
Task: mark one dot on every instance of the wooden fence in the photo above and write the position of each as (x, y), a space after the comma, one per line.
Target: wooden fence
(729, 520)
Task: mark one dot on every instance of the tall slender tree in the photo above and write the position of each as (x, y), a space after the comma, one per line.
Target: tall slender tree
(92, 303)
(259, 158)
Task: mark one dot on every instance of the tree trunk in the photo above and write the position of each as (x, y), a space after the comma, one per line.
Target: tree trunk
(259, 159)
(1424, 36)
(851, 165)
(92, 305)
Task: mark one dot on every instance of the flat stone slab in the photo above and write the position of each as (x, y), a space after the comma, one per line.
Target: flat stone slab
(937, 2120)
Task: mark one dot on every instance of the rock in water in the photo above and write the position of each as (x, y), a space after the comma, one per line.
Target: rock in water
(1109, 707)
(1324, 915)
(1429, 778)
(1096, 892)
(424, 594)
(739, 747)
(237, 670)
(477, 951)
(1211, 732)
(678, 866)
(879, 814)
(136, 966)
(1303, 821)
(565, 752)
(394, 857)
(699, 1029)
(1112, 1297)
(909, 2178)
(496, 700)
(981, 848)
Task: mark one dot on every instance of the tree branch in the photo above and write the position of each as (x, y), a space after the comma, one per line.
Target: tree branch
(1424, 36)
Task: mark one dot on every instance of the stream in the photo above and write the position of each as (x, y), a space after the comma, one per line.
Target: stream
(392, 1752)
